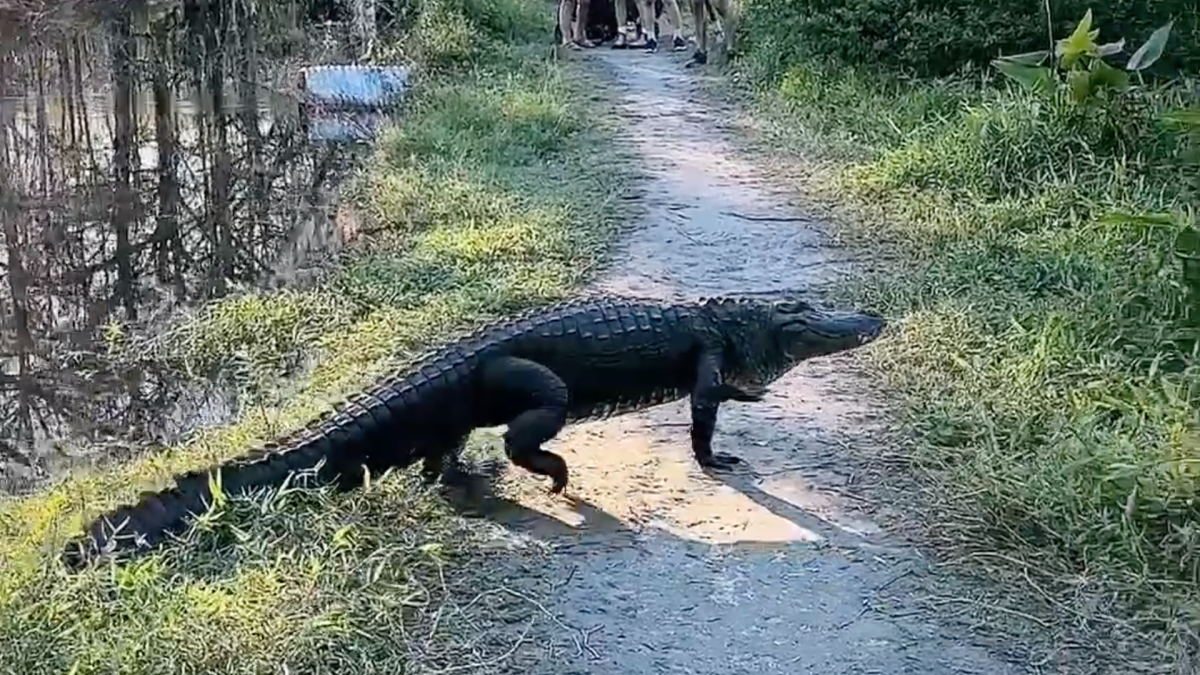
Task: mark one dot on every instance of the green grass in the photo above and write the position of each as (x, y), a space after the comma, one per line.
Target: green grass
(1044, 353)
(483, 198)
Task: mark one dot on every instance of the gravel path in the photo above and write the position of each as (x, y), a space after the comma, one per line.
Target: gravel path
(668, 570)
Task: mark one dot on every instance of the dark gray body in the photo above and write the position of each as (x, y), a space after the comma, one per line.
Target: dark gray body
(584, 359)
(614, 357)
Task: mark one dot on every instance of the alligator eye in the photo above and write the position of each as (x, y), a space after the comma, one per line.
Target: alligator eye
(792, 306)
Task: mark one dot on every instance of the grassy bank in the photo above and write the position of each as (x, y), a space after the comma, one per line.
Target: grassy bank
(483, 197)
(1045, 356)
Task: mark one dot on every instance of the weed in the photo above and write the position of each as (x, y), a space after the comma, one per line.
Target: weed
(1045, 362)
(480, 201)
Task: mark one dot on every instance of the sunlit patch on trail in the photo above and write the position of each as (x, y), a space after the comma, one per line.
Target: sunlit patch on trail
(643, 482)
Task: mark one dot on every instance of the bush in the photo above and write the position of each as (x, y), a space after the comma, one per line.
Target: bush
(1046, 362)
(938, 38)
(452, 34)
(484, 197)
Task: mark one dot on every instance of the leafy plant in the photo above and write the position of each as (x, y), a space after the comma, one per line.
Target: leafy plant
(1081, 67)
(1187, 241)
(1187, 123)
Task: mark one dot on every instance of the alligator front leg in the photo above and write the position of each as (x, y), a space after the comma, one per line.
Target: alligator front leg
(707, 395)
(442, 459)
(545, 397)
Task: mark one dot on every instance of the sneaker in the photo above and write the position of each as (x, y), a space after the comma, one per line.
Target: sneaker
(651, 45)
(679, 44)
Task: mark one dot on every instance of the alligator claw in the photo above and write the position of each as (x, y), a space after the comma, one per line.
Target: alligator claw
(721, 460)
(728, 392)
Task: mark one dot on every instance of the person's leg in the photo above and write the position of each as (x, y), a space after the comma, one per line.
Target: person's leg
(646, 19)
(675, 17)
(560, 35)
(727, 10)
(566, 20)
(700, 21)
(581, 12)
(572, 17)
(622, 19)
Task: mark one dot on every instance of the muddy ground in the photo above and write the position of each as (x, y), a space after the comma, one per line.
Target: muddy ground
(659, 568)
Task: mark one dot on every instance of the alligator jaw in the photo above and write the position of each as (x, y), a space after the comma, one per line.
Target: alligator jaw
(822, 332)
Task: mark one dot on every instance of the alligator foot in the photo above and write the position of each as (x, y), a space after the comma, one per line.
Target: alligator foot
(557, 471)
(728, 392)
(444, 461)
(466, 489)
(722, 461)
(457, 476)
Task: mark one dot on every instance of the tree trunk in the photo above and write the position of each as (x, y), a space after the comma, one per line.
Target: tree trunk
(18, 279)
(124, 145)
(168, 243)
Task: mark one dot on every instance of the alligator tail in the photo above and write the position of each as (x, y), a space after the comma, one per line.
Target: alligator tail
(334, 444)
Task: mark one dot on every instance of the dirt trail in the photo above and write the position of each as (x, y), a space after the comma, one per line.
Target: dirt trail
(767, 571)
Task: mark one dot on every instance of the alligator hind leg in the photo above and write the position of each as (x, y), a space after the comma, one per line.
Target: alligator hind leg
(542, 397)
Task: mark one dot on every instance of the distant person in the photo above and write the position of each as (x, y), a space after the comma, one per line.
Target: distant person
(624, 27)
(572, 24)
(674, 18)
(648, 12)
(702, 12)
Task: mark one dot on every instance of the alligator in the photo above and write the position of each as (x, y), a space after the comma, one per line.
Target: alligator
(582, 359)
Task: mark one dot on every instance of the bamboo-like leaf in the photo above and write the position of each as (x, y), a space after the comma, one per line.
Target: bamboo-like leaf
(1152, 51)
(1026, 59)
(1110, 48)
(1160, 220)
(1184, 118)
(1104, 75)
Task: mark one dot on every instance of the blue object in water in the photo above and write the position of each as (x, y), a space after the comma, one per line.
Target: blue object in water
(345, 104)
(344, 127)
(355, 87)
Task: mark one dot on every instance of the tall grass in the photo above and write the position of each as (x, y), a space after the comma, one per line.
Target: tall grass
(481, 199)
(1046, 360)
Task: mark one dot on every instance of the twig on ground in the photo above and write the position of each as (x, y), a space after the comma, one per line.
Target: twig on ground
(579, 636)
(868, 601)
(499, 659)
(563, 584)
(764, 219)
(581, 640)
(948, 599)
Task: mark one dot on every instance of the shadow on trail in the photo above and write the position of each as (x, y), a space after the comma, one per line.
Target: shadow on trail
(772, 568)
(652, 601)
(595, 527)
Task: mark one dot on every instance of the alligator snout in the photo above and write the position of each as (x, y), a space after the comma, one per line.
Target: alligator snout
(872, 326)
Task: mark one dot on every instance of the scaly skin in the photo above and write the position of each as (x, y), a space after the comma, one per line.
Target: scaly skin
(584, 359)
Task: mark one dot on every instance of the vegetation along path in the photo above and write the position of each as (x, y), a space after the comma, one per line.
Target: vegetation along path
(769, 570)
(1041, 385)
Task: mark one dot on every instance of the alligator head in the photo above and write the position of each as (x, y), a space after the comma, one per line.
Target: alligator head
(803, 331)
(768, 337)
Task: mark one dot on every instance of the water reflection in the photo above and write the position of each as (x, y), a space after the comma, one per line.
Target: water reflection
(147, 163)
